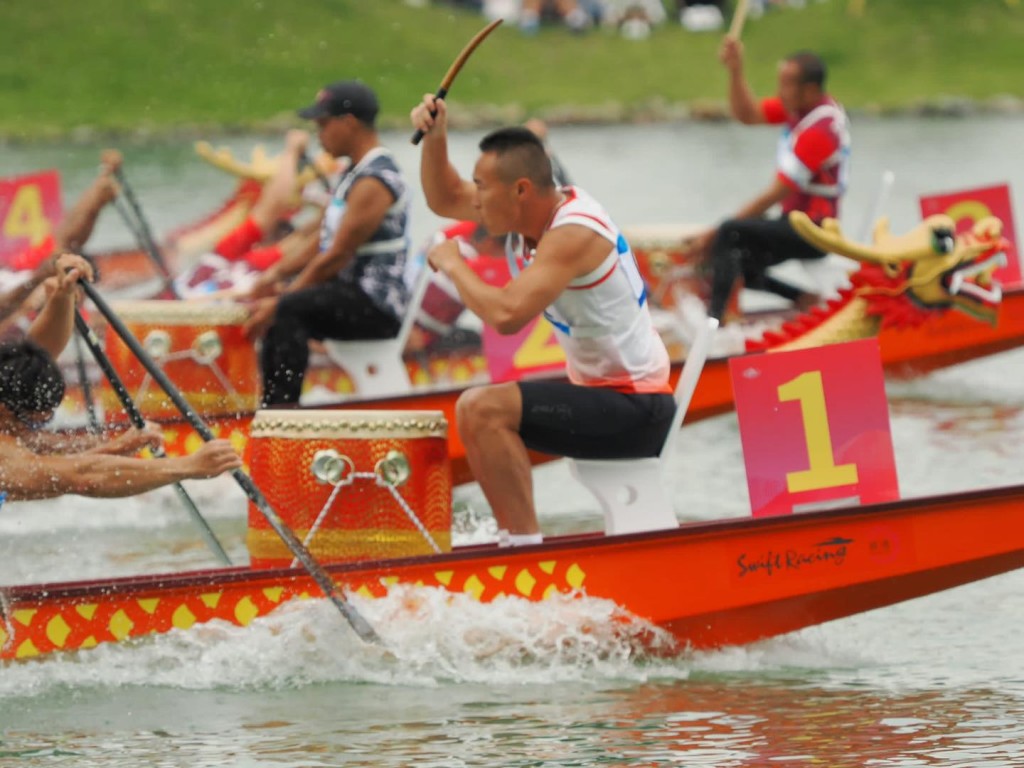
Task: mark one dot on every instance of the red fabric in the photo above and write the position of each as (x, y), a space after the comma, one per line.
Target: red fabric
(816, 145)
(234, 245)
(772, 110)
(33, 256)
(261, 259)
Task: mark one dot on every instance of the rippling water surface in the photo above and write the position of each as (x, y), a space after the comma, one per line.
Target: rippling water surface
(936, 681)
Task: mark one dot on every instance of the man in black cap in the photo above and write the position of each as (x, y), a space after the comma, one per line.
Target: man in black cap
(352, 285)
(31, 388)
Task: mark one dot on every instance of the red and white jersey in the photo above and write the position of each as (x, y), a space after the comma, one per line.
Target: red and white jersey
(812, 157)
(601, 319)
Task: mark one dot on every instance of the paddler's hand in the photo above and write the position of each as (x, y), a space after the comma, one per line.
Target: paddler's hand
(698, 249)
(296, 141)
(68, 269)
(211, 459)
(422, 119)
(730, 53)
(443, 256)
(261, 315)
(131, 441)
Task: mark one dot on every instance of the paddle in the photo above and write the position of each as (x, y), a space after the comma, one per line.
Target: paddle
(305, 161)
(87, 335)
(453, 70)
(128, 206)
(83, 380)
(303, 555)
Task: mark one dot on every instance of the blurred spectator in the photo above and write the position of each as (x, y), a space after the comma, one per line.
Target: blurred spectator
(700, 15)
(571, 12)
(634, 18)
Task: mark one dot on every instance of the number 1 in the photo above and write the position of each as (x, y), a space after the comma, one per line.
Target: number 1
(823, 471)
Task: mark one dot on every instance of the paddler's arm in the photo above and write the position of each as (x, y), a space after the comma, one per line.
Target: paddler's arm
(26, 475)
(366, 206)
(776, 192)
(55, 323)
(447, 193)
(563, 254)
(742, 102)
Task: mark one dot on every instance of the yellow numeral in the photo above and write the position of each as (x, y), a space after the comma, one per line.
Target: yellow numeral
(539, 348)
(25, 218)
(823, 472)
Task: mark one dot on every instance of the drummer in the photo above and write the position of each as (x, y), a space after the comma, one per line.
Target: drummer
(34, 467)
(579, 273)
(811, 169)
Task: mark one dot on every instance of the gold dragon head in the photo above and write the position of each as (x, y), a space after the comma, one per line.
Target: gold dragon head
(931, 265)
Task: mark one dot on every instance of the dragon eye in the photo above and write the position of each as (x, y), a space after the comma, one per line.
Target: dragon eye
(943, 240)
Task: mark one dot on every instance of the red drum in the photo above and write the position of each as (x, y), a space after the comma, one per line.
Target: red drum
(352, 485)
(201, 348)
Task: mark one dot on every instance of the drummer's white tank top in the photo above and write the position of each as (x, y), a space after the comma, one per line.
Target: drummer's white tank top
(601, 319)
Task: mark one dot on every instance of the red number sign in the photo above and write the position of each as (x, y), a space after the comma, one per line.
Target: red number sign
(30, 209)
(814, 425)
(531, 351)
(969, 206)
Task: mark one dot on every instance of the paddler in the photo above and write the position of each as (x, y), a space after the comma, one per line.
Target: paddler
(39, 465)
(574, 267)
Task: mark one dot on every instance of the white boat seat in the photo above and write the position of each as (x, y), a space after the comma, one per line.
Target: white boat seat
(376, 365)
(633, 493)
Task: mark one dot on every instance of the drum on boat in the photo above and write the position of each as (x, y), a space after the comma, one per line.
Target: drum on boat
(199, 346)
(352, 485)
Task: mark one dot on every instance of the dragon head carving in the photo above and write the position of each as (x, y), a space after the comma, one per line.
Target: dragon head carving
(903, 278)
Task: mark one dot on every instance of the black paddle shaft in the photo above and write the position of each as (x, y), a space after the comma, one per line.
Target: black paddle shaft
(89, 337)
(303, 555)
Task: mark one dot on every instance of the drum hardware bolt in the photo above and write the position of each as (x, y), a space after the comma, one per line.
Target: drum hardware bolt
(394, 468)
(332, 468)
(157, 343)
(208, 346)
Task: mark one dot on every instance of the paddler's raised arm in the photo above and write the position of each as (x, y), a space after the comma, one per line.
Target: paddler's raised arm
(447, 193)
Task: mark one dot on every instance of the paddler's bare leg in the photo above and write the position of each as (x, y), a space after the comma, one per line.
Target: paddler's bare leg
(488, 421)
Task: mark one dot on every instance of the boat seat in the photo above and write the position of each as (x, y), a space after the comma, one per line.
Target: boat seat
(376, 365)
(633, 493)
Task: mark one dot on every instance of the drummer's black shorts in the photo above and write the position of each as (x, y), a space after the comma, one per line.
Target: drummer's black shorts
(593, 422)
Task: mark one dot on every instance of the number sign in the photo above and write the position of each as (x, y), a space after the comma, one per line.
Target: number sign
(814, 425)
(30, 209)
(971, 205)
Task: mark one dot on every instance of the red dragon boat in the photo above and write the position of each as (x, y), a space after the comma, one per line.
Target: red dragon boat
(707, 584)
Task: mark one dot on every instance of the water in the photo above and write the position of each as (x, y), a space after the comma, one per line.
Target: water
(936, 681)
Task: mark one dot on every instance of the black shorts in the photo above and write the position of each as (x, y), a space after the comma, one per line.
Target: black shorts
(565, 419)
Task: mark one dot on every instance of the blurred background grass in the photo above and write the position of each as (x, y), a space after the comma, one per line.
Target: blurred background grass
(152, 66)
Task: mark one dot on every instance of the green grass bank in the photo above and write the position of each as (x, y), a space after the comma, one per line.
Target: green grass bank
(152, 67)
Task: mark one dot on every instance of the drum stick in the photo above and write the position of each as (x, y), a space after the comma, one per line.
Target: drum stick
(738, 17)
(453, 70)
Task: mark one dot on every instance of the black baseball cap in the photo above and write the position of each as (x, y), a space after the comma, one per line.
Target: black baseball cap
(346, 97)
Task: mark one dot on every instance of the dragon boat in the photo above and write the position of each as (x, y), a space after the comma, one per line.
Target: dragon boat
(376, 513)
(928, 296)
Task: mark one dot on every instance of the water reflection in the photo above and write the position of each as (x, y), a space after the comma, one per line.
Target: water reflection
(706, 721)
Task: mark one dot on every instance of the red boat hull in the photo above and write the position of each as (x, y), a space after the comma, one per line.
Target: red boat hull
(707, 584)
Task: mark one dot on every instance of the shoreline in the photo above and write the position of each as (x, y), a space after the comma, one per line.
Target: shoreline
(492, 115)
